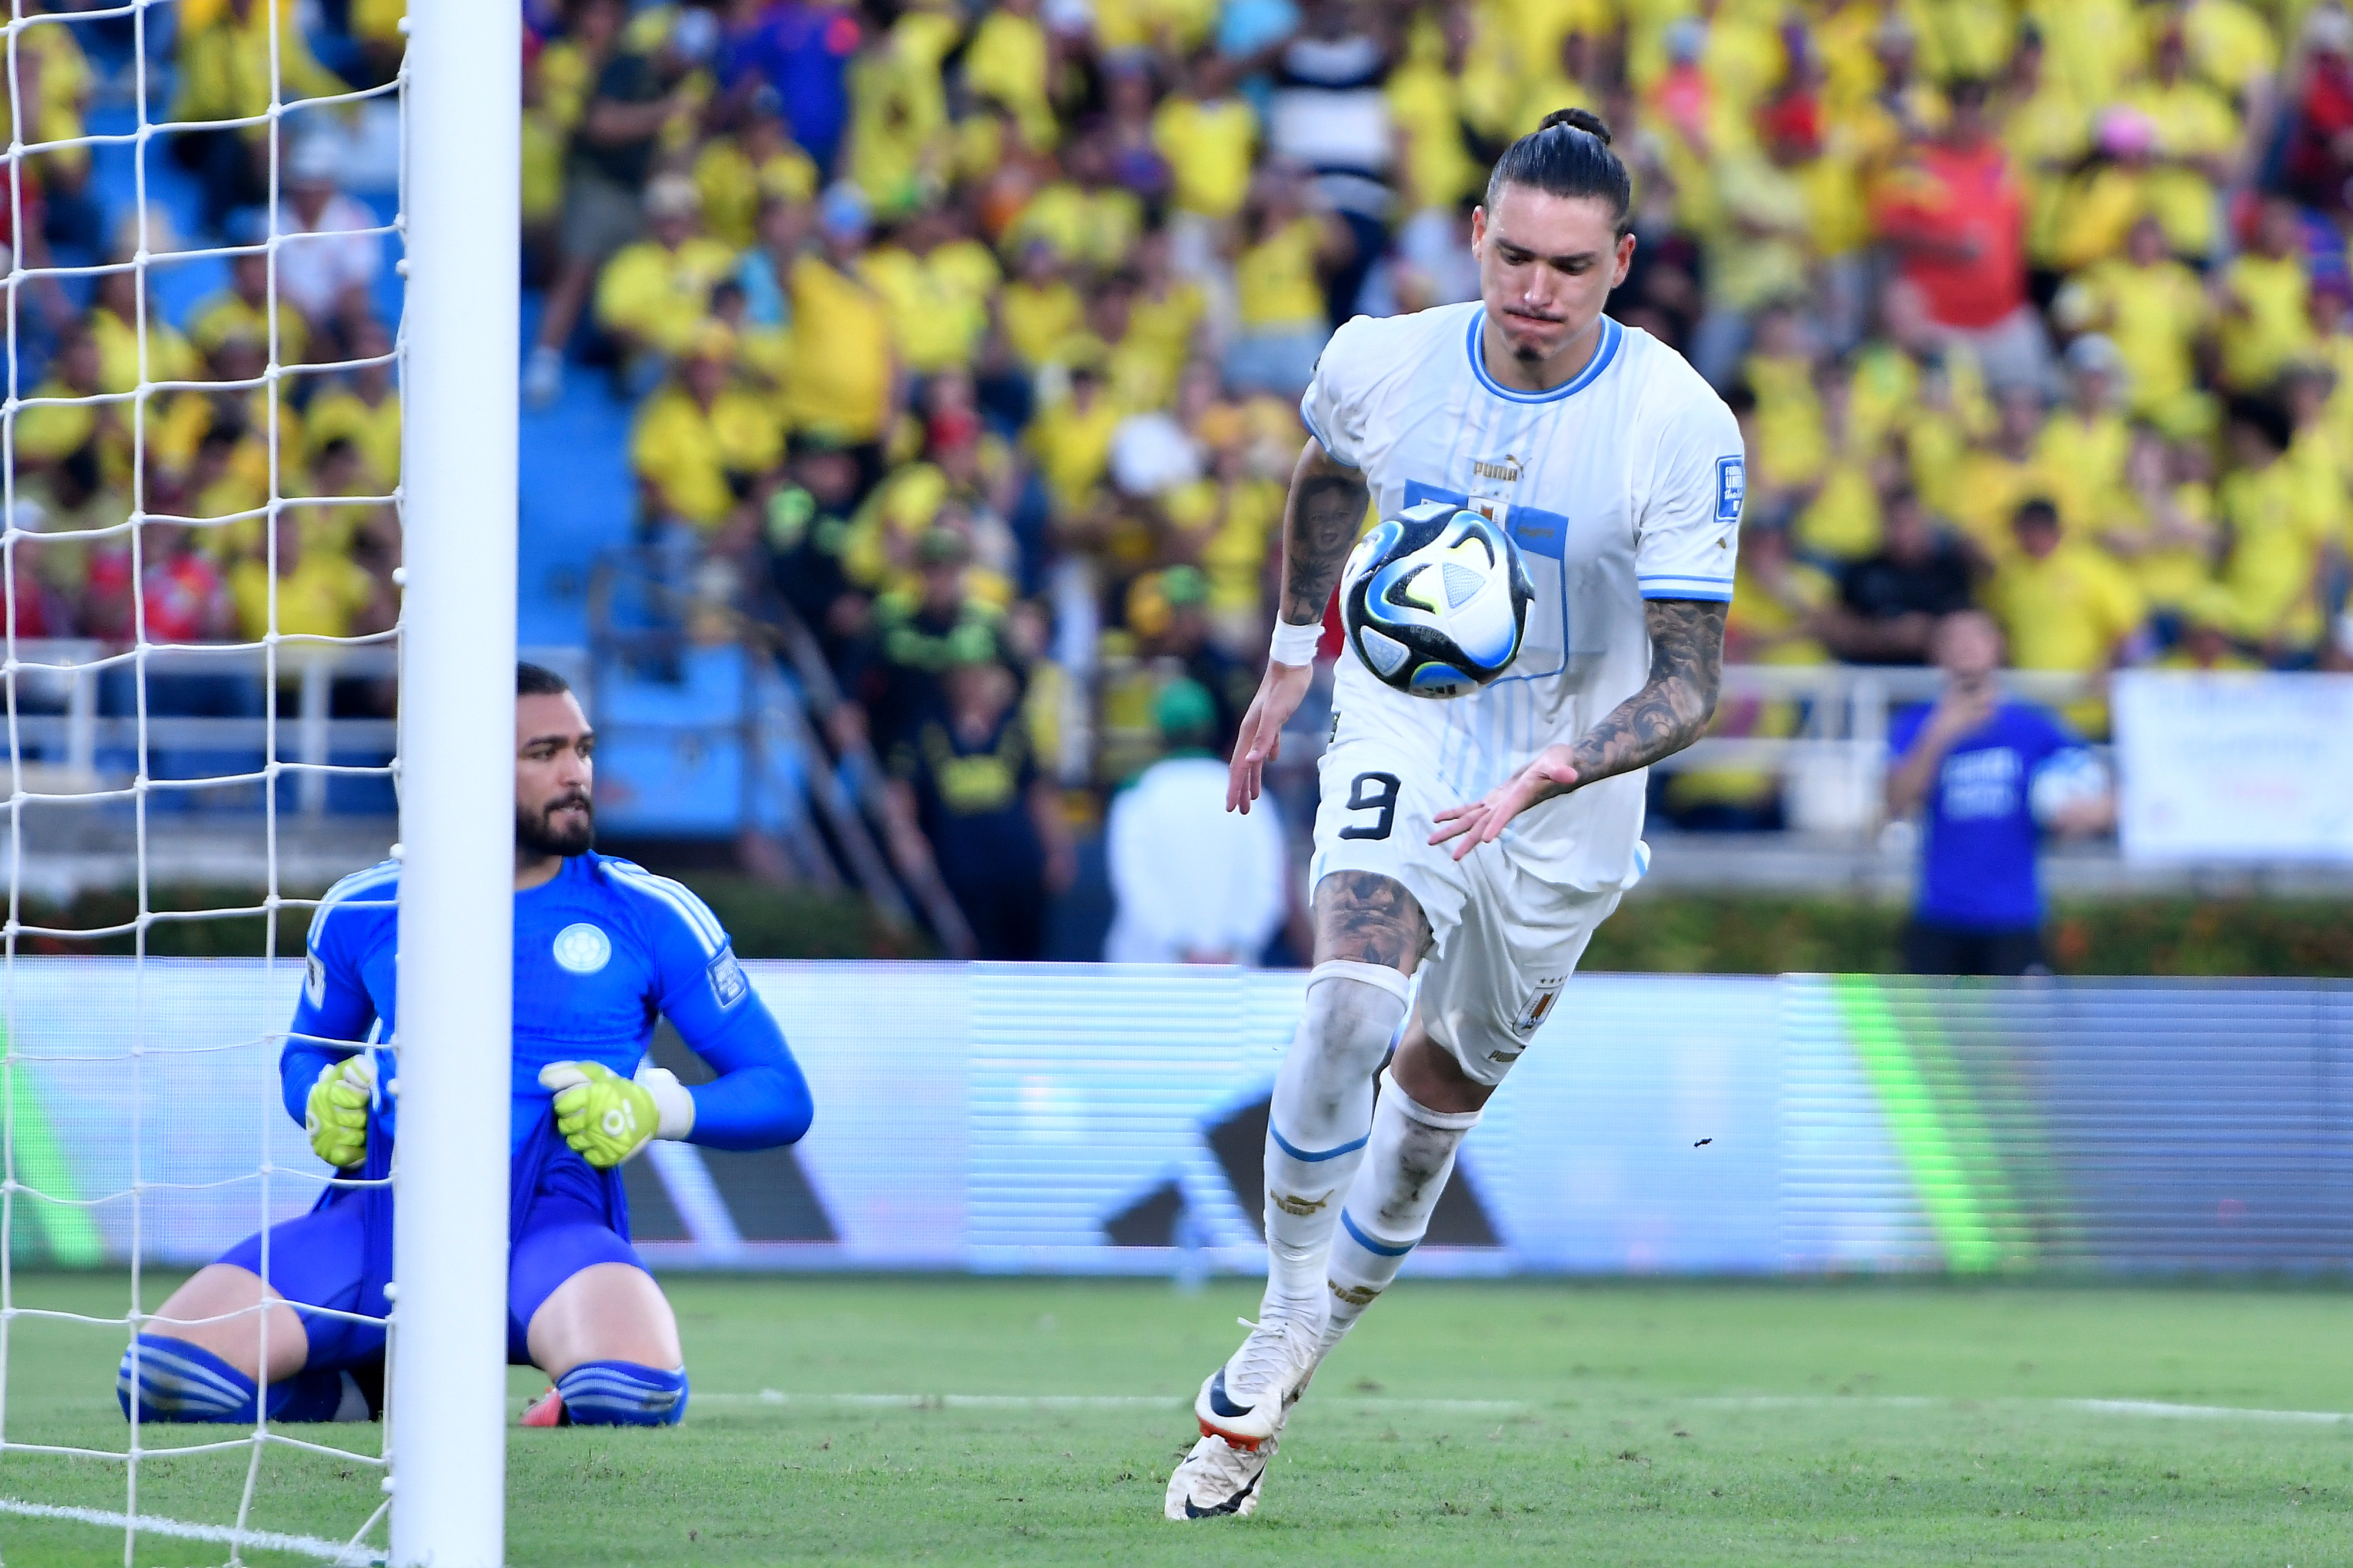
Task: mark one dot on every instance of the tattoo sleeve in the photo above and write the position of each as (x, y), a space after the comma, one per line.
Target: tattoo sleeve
(1369, 919)
(1327, 508)
(1673, 709)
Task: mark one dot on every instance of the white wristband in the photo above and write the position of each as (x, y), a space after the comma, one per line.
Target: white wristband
(673, 1104)
(1294, 645)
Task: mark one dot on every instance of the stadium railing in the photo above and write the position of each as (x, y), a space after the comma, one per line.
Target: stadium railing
(1833, 767)
(807, 791)
(80, 729)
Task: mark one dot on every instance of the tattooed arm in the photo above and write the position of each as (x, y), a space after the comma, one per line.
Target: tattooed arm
(1319, 525)
(1673, 710)
(1670, 712)
(1326, 509)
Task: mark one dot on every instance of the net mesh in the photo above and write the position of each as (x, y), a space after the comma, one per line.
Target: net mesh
(187, 595)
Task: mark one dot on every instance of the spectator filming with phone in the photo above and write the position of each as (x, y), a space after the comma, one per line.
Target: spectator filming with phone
(1989, 774)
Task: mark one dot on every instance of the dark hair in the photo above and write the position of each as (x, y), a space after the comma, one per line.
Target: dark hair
(2037, 510)
(1568, 155)
(2265, 417)
(538, 680)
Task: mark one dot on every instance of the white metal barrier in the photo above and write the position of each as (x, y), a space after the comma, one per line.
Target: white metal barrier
(1834, 769)
(1831, 768)
(58, 711)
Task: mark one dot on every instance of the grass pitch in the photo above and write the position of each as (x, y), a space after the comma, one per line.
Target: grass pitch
(1495, 1423)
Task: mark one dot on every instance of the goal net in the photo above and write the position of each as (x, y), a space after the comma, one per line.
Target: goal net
(201, 453)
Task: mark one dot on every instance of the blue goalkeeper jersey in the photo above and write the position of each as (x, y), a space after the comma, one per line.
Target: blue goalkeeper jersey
(601, 950)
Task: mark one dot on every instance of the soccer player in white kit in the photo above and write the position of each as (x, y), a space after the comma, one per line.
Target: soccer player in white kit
(1476, 841)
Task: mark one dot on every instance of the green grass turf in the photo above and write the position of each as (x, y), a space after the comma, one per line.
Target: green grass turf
(1684, 1423)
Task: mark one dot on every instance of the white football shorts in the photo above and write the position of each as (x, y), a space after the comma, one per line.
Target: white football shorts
(1505, 938)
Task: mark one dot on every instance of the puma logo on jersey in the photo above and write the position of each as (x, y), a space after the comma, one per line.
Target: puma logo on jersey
(1506, 472)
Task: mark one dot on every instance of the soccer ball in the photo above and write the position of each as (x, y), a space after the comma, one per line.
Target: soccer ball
(1434, 600)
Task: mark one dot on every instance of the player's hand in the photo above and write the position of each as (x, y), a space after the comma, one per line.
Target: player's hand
(605, 1116)
(1483, 821)
(335, 1116)
(1261, 740)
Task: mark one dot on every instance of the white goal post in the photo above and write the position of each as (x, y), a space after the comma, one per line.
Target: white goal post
(462, 345)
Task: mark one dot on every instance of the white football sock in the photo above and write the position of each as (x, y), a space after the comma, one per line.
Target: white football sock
(1317, 1124)
(1387, 1211)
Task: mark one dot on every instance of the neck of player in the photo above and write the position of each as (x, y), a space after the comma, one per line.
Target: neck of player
(534, 870)
(1558, 370)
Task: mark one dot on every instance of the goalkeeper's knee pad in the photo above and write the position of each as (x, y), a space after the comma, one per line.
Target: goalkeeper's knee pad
(171, 1380)
(622, 1393)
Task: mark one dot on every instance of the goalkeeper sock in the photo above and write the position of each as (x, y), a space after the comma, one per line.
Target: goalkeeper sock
(622, 1393)
(176, 1380)
(1316, 1125)
(1388, 1209)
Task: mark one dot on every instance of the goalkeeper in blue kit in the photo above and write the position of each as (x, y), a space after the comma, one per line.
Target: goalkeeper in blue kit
(602, 948)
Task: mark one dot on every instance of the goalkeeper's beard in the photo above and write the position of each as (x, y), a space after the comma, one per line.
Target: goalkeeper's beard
(536, 833)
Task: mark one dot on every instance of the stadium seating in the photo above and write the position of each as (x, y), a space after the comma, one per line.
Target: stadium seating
(958, 333)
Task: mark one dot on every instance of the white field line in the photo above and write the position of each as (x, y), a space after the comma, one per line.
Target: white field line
(1065, 1400)
(2206, 1412)
(2144, 1407)
(2090, 1406)
(178, 1529)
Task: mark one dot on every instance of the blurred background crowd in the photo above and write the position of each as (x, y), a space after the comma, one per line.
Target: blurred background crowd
(976, 335)
(969, 339)
(209, 442)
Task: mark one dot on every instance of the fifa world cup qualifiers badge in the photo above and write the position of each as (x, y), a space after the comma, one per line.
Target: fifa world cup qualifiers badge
(1731, 487)
(728, 985)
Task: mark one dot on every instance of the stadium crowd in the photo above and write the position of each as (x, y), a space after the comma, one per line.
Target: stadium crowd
(973, 336)
(210, 444)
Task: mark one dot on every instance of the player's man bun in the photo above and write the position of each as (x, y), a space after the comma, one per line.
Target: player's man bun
(1568, 155)
(1583, 120)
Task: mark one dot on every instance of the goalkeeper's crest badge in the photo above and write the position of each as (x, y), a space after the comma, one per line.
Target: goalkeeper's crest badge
(728, 985)
(582, 948)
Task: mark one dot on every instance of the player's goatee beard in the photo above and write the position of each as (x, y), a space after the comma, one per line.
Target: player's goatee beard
(535, 835)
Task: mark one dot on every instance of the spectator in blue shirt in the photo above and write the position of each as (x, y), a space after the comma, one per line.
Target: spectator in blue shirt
(803, 49)
(1989, 775)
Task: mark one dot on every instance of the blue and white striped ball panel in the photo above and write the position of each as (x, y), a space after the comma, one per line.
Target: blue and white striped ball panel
(1384, 653)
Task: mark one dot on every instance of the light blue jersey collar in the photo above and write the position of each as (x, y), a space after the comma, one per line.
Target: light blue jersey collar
(1613, 334)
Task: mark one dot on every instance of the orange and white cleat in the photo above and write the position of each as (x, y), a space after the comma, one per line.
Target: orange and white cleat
(547, 1410)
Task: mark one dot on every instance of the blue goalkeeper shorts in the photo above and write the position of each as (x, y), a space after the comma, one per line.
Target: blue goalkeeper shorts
(563, 1222)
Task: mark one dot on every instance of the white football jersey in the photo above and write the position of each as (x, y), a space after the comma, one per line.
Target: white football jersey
(1623, 484)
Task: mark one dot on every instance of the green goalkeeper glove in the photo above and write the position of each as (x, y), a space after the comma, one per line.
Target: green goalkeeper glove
(607, 1118)
(336, 1114)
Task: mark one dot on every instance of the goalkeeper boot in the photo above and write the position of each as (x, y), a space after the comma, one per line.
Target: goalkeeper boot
(1245, 1401)
(1217, 1478)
